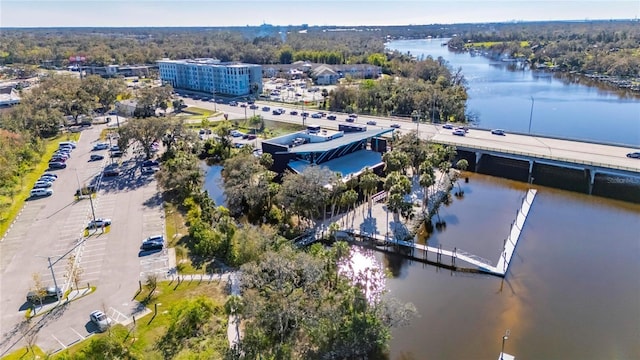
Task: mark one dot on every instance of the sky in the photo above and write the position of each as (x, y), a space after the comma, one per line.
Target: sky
(170, 13)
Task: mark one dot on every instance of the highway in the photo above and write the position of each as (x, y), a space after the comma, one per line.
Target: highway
(578, 152)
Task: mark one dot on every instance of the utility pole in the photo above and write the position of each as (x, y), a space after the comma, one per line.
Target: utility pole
(93, 212)
(53, 275)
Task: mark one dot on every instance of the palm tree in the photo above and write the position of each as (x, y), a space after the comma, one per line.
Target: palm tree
(348, 200)
(461, 165)
(369, 183)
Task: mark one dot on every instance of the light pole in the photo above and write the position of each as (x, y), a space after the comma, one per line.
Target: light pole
(504, 338)
(53, 275)
(531, 114)
(93, 212)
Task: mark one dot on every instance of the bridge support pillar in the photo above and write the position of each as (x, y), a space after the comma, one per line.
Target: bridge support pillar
(591, 174)
(478, 157)
(530, 177)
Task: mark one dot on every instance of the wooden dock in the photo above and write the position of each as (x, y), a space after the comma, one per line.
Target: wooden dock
(455, 255)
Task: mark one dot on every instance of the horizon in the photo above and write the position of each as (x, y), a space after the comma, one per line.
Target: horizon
(285, 13)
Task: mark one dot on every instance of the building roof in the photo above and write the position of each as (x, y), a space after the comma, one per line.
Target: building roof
(346, 139)
(348, 165)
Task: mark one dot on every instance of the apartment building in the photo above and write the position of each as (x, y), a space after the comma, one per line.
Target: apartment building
(211, 76)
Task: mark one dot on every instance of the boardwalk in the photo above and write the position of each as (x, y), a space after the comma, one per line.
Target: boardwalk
(455, 255)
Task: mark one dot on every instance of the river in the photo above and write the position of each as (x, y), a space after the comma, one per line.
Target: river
(502, 98)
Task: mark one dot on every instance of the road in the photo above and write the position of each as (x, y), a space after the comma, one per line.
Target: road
(54, 227)
(543, 147)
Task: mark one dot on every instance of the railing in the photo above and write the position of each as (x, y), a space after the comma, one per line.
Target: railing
(542, 156)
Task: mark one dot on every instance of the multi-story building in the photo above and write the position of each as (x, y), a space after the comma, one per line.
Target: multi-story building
(212, 76)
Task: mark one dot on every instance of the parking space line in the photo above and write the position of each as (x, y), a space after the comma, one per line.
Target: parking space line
(59, 342)
(77, 333)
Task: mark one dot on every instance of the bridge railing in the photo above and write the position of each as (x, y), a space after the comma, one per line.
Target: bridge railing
(547, 157)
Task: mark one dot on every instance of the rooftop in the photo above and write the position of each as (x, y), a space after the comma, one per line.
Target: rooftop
(345, 139)
(348, 165)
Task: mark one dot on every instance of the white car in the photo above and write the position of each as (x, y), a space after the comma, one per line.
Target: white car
(98, 223)
(459, 132)
(101, 320)
(41, 192)
(101, 146)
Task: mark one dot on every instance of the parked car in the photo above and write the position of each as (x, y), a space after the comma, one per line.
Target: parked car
(115, 148)
(155, 242)
(47, 178)
(331, 117)
(59, 157)
(117, 154)
(42, 184)
(57, 165)
(634, 155)
(150, 163)
(236, 133)
(95, 157)
(100, 146)
(371, 122)
(111, 172)
(100, 320)
(148, 170)
(71, 144)
(98, 223)
(459, 132)
(40, 193)
(44, 295)
(395, 126)
(48, 174)
(497, 132)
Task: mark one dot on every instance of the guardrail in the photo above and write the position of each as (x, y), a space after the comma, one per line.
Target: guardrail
(542, 156)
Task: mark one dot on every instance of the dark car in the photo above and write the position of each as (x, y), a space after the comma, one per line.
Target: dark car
(293, 112)
(116, 154)
(266, 108)
(155, 242)
(253, 106)
(634, 155)
(111, 172)
(331, 117)
(44, 295)
(57, 165)
(447, 126)
(150, 163)
(233, 103)
(96, 157)
(395, 126)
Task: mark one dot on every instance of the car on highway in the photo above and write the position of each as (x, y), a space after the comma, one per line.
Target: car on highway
(40, 193)
(100, 320)
(395, 126)
(57, 165)
(293, 112)
(304, 114)
(155, 242)
(100, 146)
(316, 116)
(634, 155)
(331, 117)
(253, 106)
(44, 295)
(41, 184)
(233, 103)
(447, 126)
(354, 116)
(498, 132)
(276, 112)
(266, 108)
(350, 119)
(371, 122)
(459, 132)
(98, 223)
(95, 157)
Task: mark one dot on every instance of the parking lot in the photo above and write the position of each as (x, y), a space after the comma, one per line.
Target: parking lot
(53, 228)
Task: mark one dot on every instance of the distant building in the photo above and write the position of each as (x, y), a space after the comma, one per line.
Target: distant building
(212, 76)
(9, 96)
(323, 74)
(116, 70)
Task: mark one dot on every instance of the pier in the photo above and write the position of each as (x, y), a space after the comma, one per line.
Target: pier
(442, 255)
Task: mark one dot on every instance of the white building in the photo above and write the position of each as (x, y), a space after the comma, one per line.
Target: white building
(212, 77)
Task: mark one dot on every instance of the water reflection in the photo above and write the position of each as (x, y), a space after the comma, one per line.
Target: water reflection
(365, 271)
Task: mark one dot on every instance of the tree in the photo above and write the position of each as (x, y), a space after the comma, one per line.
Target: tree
(395, 160)
(73, 271)
(143, 132)
(369, 184)
(461, 165)
(305, 194)
(105, 91)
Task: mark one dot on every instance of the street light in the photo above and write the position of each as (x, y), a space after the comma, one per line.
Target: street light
(93, 212)
(53, 275)
(504, 338)
(531, 114)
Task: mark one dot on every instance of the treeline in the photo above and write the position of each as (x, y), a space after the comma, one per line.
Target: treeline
(426, 90)
(610, 48)
(107, 46)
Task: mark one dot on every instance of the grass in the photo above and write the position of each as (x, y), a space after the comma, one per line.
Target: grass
(177, 235)
(488, 44)
(21, 190)
(142, 337)
(25, 354)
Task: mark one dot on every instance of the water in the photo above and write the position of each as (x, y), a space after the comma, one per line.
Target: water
(213, 183)
(502, 98)
(572, 291)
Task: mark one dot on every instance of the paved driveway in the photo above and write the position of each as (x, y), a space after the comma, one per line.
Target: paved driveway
(110, 260)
